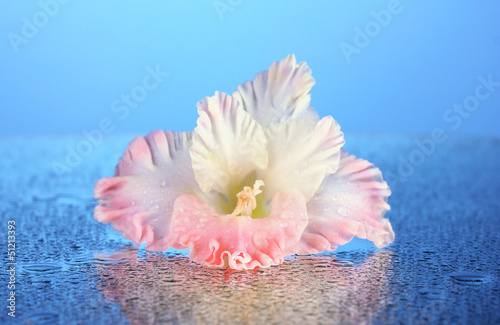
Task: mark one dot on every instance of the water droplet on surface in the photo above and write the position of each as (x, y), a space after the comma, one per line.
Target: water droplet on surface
(473, 278)
(163, 183)
(81, 259)
(109, 260)
(343, 263)
(46, 317)
(41, 267)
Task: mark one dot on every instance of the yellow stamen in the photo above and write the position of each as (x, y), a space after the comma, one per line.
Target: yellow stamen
(246, 199)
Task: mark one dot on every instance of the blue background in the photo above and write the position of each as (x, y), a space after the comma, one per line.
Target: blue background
(61, 84)
(64, 79)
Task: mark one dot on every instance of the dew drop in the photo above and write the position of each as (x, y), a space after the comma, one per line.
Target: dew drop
(41, 267)
(163, 183)
(109, 260)
(45, 317)
(343, 211)
(473, 278)
(343, 263)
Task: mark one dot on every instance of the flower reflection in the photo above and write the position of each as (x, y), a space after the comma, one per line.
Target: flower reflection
(152, 287)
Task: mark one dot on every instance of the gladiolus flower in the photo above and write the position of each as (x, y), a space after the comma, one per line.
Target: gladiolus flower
(260, 177)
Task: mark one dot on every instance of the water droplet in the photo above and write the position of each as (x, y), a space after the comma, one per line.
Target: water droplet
(343, 263)
(132, 203)
(81, 259)
(163, 183)
(343, 211)
(473, 278)
(41, 267)
(109, 260)
(284, 225)
(46, 317)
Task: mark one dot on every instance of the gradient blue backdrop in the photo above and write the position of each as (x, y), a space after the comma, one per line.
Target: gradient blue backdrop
(64, 79)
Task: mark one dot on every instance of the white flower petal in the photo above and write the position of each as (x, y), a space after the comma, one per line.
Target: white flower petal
(228, 144)
(138, 201)
(280, 94)
(301, 153)
(350, 203)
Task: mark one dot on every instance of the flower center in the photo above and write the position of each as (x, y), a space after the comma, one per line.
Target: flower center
(246, 199)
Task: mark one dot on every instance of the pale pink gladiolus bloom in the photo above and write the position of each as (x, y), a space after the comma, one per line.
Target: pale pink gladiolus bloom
(260, 177)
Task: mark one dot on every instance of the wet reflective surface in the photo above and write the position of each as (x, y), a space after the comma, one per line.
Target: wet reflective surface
(444, 266)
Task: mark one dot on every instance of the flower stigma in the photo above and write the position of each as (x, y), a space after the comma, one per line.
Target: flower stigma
(246, 199)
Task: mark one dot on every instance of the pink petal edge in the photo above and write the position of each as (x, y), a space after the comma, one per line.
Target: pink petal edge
(138, 201)
(238, 242)
(350, 203)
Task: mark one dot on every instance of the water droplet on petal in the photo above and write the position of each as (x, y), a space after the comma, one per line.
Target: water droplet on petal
(343, 211)
(163, 183)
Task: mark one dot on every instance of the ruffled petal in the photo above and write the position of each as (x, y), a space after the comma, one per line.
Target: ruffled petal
(228, 144)
(280, 94)
(351, 202)
(301, 153)
(138, 201)
(238, 242)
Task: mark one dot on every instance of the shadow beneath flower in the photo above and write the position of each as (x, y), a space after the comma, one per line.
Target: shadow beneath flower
(168, 287)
